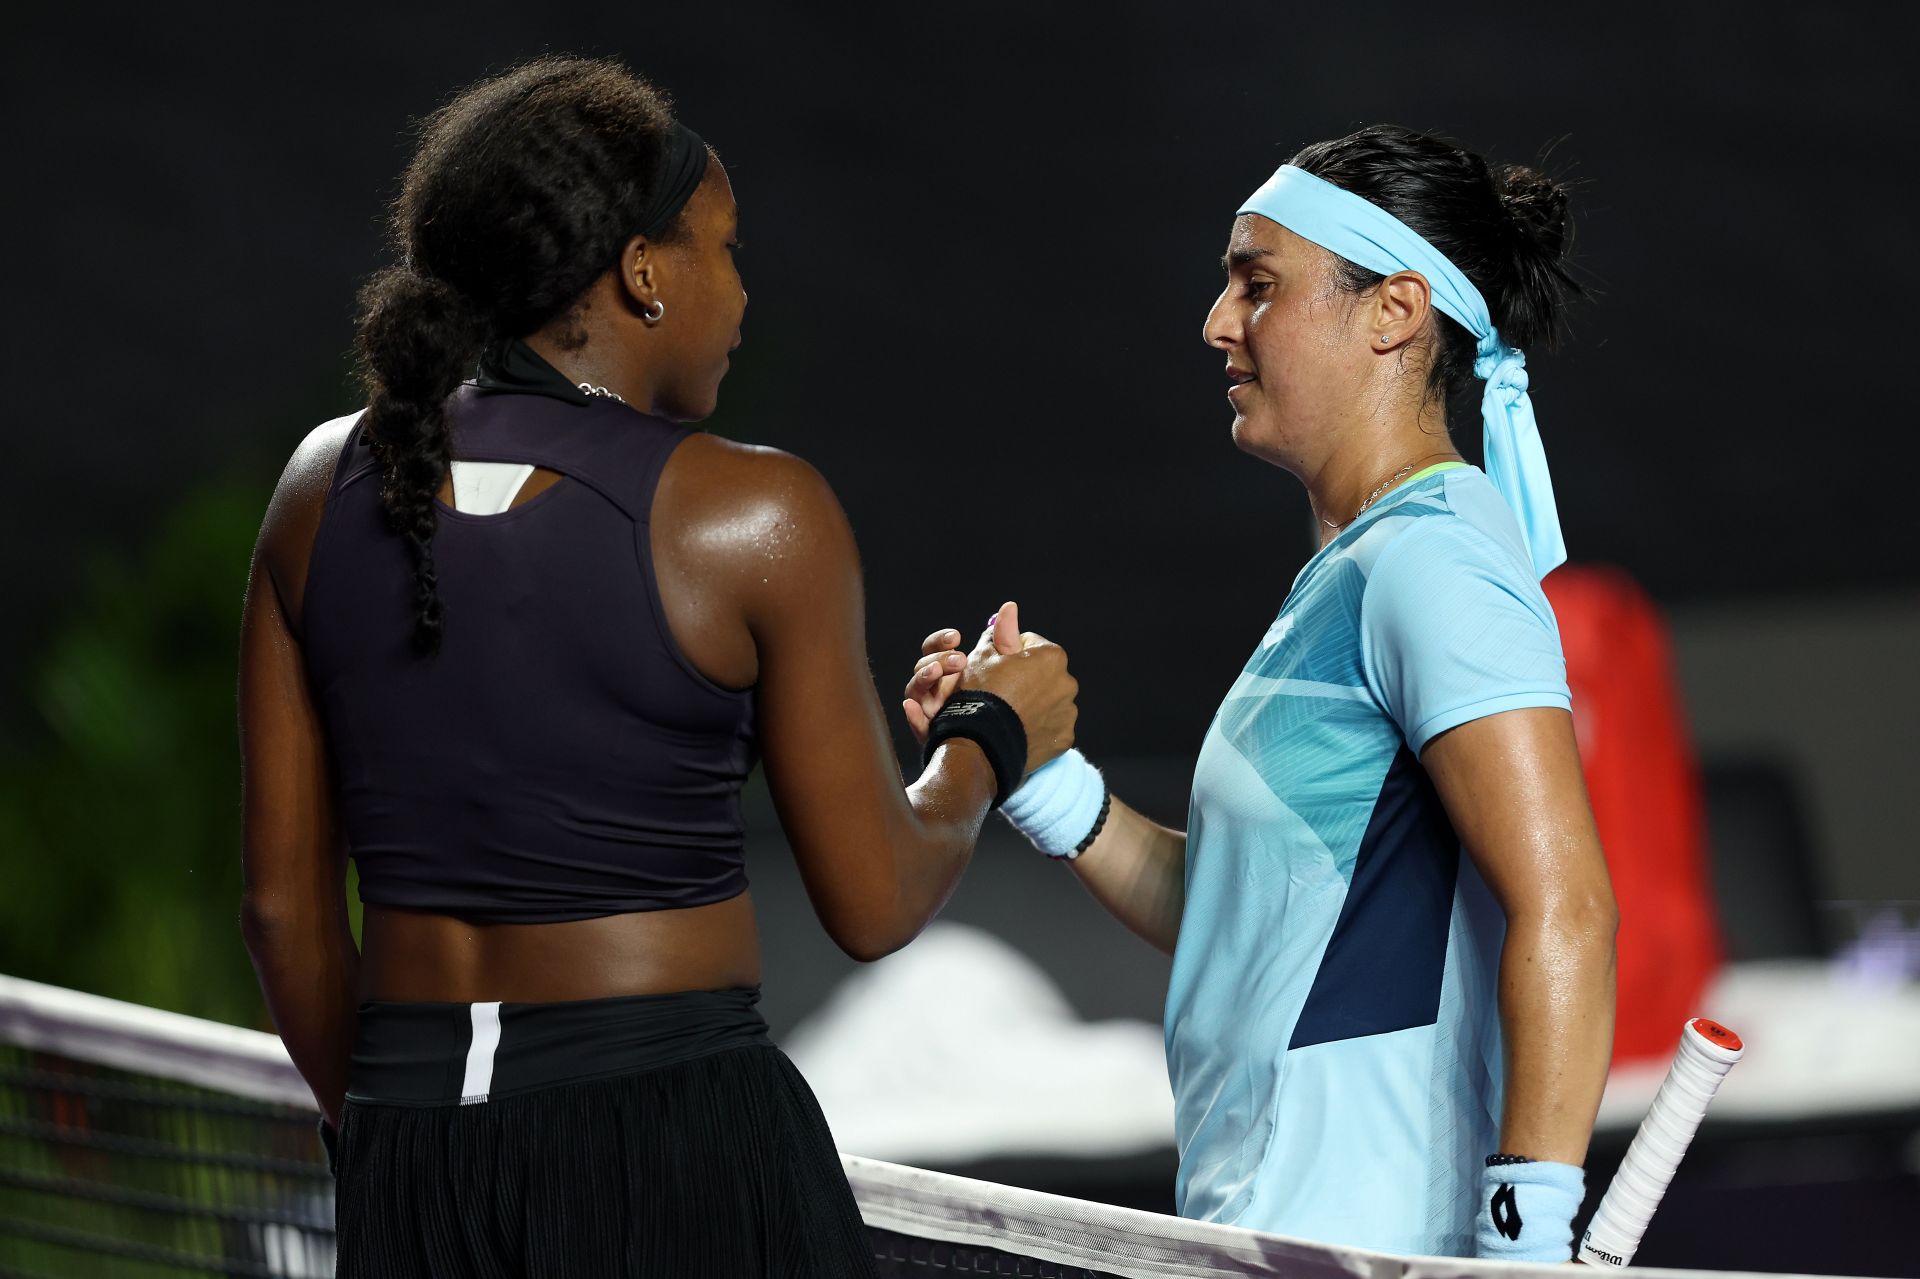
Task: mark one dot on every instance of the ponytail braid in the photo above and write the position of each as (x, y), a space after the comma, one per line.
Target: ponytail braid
(418, 338)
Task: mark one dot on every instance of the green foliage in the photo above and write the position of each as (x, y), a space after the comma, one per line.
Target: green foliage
(120, 826)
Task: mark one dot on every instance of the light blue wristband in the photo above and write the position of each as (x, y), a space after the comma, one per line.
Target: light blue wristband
(1527, 1210)
(1058, 805)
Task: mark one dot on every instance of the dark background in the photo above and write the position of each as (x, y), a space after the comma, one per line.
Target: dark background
(979, 250)
(979, 247)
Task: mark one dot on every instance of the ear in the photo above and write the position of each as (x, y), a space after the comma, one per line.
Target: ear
(1400, 307)
(639, 270)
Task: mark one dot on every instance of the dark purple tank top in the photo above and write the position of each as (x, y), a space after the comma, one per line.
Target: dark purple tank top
(559, 758)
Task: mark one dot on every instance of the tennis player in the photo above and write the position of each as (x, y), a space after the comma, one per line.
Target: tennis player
(1391, 925)
(513, 639)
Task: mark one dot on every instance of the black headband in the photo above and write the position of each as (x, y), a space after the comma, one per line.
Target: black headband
(679, 177)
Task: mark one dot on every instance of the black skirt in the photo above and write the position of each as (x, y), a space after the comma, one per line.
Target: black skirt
(646, 1135)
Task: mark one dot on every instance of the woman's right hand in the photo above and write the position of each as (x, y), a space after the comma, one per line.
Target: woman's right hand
(1027, 671)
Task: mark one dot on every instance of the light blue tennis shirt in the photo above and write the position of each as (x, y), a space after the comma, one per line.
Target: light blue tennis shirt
(1332, 1027)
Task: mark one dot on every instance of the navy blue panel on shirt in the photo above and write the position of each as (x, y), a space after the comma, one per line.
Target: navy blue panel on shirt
(1383, 966)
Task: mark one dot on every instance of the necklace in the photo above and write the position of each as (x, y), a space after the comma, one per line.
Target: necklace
(591, 389)
(1385, 484)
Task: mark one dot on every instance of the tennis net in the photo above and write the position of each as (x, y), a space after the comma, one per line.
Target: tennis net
(136, 1142)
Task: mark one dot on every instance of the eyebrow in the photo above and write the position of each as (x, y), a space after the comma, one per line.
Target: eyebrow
(1240, 257)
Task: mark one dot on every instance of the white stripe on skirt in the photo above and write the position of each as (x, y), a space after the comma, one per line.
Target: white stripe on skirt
(486, 1039)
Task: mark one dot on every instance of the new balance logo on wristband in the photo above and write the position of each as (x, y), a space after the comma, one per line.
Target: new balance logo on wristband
(991, 724)
(1506, 1213)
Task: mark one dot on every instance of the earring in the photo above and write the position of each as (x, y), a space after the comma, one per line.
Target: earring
(1384, 339)
(653, 314)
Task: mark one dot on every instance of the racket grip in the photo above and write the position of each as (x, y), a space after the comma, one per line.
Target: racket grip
(1707, 1052)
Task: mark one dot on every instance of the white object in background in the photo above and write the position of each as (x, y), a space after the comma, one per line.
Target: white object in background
(1824, 1044)
(961, 1048)
(1707, 1052)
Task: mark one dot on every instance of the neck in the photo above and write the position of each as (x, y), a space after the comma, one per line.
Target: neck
(598, 364)
(1375, 455)
(609, 357)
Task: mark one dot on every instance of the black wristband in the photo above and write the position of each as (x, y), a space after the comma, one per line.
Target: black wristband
(990, 723)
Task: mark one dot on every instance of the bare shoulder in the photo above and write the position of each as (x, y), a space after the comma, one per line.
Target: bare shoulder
(746, 503)
(749, 476)
(309, 472)
(299, 499)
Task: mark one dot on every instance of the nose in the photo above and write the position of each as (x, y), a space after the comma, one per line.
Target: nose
(1222, 328)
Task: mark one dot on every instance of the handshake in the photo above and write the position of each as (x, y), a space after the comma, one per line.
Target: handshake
(1054, 797)
(1025, 670)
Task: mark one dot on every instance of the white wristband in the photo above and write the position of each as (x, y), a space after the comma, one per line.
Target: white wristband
(1527, 1210)
(1058, 805)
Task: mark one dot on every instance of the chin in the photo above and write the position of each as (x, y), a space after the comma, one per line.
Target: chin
(708, 402)
(1249, 437)
(1246, 435)
(691, 410)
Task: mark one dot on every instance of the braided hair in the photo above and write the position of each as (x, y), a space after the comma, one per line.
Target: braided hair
(1505, 226)
(521, 194)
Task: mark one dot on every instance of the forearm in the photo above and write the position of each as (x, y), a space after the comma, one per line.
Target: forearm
(950, 802)
(1556, 1014)
(946, 807)
(1137, 869)
(309, 971)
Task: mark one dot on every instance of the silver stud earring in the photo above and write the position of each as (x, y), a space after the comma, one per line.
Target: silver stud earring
(653, 314)
(1384, 339)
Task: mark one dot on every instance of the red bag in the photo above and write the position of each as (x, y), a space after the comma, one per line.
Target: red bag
(1644, 783)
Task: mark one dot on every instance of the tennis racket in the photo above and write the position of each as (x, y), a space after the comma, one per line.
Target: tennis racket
(1707, 1052)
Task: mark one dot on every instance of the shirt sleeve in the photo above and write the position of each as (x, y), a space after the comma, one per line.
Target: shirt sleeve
(1451, 629)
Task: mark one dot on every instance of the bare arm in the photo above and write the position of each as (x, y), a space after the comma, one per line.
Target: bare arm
(1137, 869)
(1512, 785)
(878, 858)
(294, 909)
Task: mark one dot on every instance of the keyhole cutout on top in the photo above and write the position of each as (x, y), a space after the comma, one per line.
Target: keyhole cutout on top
(491, 488)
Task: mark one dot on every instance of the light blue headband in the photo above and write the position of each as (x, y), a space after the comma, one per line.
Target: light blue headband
(1367, 235)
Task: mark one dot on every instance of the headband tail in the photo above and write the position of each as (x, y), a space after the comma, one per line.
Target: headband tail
(1517, 462)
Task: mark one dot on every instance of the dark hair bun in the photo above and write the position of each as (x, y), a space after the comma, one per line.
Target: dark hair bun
(1538, 206)
(1542, 233)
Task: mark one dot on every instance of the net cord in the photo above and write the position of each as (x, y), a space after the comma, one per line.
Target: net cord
(150, 1041)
